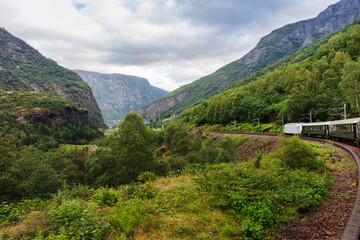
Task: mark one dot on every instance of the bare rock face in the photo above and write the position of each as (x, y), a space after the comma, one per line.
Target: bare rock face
(118, 94)
(279, 43)
(288, 39)
(52, 117)
(154, 110)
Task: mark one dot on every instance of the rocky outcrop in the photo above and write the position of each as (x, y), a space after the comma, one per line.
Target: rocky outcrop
(118, 94)
(288, 39)
(52, 117)
(152, 111)
(22, 68)
(280, 43)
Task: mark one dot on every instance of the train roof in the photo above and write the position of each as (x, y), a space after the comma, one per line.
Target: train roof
(346, 121)
(291, 124)
(316, 124)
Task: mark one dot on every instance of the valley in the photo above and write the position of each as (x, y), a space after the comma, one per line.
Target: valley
(89, 155)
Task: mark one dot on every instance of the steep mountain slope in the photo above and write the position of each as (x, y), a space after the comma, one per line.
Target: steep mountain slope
(320, 78)
(117, 94)
(278, 44)
(22, 68)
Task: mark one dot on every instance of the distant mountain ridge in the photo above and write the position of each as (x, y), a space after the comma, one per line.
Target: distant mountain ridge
(118, 94)
(278, 44)
(22, 68)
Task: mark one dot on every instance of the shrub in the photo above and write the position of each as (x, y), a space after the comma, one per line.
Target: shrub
(8, 214)
(126, 219)
(78, 191)
(296, 153)
(147, 176)
(178, 163)
(224, 156)
(76, 220)
(106, 197)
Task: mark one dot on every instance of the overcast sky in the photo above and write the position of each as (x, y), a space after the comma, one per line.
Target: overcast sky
(169, 42)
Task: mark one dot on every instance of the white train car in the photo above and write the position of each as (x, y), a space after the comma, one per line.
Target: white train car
(292, 128)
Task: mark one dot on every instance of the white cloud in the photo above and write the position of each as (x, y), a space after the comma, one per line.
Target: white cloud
(169, 42)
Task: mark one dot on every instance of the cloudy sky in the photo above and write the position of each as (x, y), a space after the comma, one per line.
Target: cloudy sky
(169, 42)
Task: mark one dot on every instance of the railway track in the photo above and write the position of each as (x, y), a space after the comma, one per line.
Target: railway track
(352, 229)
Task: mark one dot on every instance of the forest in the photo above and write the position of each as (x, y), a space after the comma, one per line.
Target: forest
(138, 180)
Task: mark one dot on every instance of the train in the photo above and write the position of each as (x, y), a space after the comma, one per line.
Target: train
(346, 130)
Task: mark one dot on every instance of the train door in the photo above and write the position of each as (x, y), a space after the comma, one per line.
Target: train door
(357, 130)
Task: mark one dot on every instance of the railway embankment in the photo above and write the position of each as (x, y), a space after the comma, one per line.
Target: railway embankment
(339, 215)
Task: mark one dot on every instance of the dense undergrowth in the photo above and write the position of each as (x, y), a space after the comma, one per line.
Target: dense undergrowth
(201, 201)
(241, 127)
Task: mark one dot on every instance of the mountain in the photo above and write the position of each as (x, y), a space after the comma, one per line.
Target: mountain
(320, 78)
(278, 44)
(118, 94)
(22, 68)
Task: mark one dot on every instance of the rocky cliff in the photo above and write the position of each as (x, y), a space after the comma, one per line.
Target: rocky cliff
(278, 44)
(44, 108)
(118, 94)
(22, 68)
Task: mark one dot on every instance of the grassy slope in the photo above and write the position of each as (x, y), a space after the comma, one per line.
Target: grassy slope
(225, 201)
(14, 101)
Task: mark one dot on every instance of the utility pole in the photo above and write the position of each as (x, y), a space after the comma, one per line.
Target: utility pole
(338, 111)
(306, 116)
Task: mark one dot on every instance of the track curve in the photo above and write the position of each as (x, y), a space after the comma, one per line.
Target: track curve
(352, 229)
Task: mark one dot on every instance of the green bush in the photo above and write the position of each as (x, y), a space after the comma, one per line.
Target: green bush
(178, 163)
(106, 197)
(263, 195)
(224, 156)
(147, 176)
(296, 153)
(76, 220)
(8, 214)
(70, 192)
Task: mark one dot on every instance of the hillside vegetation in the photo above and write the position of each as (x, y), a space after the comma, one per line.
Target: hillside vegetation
(22, 68)
(327, 79)
(278, 44)
(146, 184)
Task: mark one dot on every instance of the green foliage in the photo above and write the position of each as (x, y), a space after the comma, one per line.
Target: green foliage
(25, 173)
(78, 191)
(296, 153)
(75, 219)
(147, 176)
(8, 214)
(129, 153)
(239, 73)
(314, 79)
(70, 164)
(176, 138)
(106, 197)
(350, 84)
(15, 101)
(264, 195)
(25, 69)
(126, 220)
